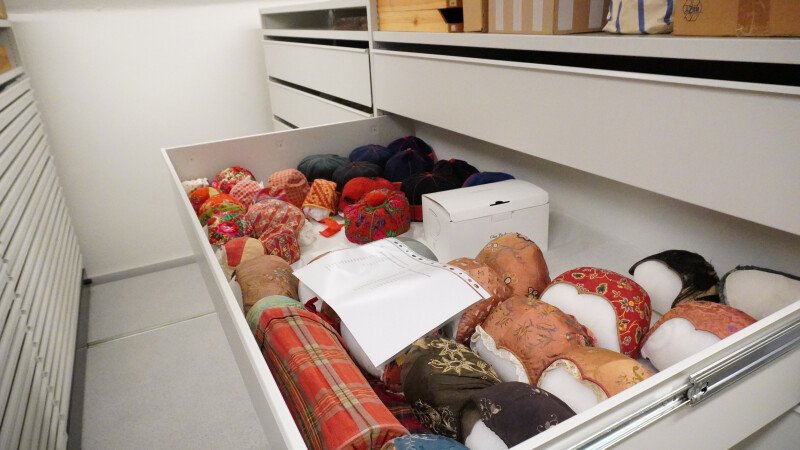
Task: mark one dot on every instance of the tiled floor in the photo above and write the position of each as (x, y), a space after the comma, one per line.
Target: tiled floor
(159, 373)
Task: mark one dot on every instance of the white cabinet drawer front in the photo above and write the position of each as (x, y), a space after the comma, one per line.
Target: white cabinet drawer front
(339, 71)
(305, 110)
(722, 145)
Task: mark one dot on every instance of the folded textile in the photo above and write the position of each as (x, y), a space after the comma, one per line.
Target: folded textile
(263, 276)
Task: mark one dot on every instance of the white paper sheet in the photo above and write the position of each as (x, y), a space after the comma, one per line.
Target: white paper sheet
(387, 295)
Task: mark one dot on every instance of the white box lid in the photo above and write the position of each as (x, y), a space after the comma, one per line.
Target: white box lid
(489, 199)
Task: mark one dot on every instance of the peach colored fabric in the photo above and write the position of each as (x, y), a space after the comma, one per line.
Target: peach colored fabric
(519, 262)
(535, 332)
(611, 371)
(477, 313)
(718, 319)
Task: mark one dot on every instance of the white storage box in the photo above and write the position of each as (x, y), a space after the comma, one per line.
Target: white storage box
(458, 223)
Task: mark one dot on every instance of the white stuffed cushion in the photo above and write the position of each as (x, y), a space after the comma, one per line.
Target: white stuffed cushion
(675, 340)
(661, 283)
(483, 438)
(592, 311)
(507, 366)
(563, 380)
(760, 293)
(358, 354)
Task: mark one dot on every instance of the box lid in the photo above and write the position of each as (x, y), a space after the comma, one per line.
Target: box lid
(489, 199)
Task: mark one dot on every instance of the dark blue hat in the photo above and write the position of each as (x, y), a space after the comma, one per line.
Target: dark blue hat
(354, 170)
(423, 183)
(486, 178)
(406, 163)
(321, 166)
(376, 154)
(455, 168)
(413, 143)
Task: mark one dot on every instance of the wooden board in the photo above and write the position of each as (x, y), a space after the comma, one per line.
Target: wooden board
(430, 20)
(5, 62)
(415, 5)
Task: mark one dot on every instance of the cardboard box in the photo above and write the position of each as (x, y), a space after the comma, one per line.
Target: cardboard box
(476, 16)
(547, 16)
(737, 18)
(436, 16)
(458, 223)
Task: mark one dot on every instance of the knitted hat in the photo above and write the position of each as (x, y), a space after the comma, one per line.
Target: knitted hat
(422, 183)
(486, 178)
(439, 376)
(676, 276)
(521, 337)
(375, 154)
(615, 308)
(293, 182)
(224, 226)
(455, 168)
(321, 200)
(406, 163)
(199, 196)
(227, 178)
(270, 193)
(353, 170)
(380, 214)
(281, 241)
(356, 188)
(413, 143)
(670, 341)
(190, 185)
(321, 166)
(239, 250)
(271, 214)
(513, 412)
(477, 312)
(603, 372)
(245, 191)
(216, 204)
(520, 263)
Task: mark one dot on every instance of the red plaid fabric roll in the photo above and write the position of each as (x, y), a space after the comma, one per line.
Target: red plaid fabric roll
(331, 402)
(270, 214)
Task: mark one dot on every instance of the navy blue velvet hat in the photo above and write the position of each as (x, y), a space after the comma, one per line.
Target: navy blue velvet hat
(486, 178)
(321, 166)
(413, 143)
(406, 163)
(376, 154)
(455, 168)
(354, 170)
(423, 183)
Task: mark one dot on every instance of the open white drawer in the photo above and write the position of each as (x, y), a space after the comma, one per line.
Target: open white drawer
(305, 110)
(654, 413)
(339, 71)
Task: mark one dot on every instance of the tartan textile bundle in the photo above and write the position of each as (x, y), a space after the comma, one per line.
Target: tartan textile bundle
(331, 402)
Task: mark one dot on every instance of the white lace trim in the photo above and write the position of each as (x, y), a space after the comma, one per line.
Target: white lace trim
(488, 342)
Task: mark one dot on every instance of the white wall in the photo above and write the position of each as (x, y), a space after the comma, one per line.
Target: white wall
(116, 81)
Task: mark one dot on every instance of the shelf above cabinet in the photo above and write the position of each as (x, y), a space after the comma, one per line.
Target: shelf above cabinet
(292, 7)
(756, 50)
(319, 34)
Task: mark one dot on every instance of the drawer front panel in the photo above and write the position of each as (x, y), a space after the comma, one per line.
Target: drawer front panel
(277, 125)
(725, 146)
(339, 71)
(305, 110)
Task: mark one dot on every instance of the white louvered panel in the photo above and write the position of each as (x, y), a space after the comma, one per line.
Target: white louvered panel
(15, 411)
(11, 95)
(51, 339)
(8, 133)
(14, 187)
(21, 189)
(13, 341)
(21, 267)
(64, 380)
(17, 114)
(19, 254)
(35, 413)
(66, 396)
(21, 156)
(63, 353)
(7, 295)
